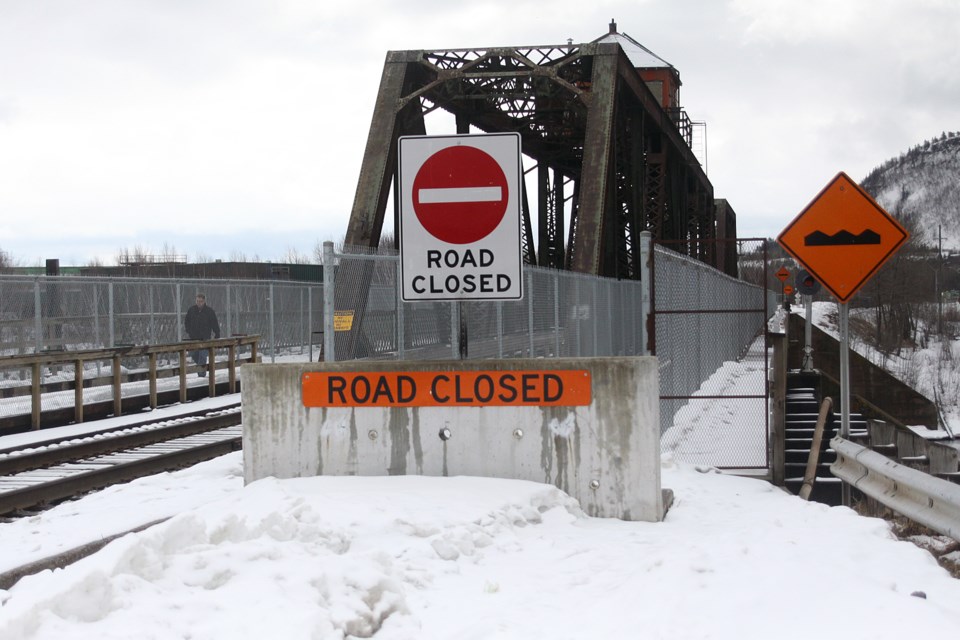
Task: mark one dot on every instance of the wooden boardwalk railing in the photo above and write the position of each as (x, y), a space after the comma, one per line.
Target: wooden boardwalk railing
(239, 349)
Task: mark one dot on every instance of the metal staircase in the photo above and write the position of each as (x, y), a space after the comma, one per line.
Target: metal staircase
(803, 402)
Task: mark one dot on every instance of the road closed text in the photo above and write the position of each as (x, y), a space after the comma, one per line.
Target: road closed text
(447, 388)
(461, 283)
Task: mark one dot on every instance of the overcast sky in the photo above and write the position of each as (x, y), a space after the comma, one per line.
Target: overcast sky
(237, 127)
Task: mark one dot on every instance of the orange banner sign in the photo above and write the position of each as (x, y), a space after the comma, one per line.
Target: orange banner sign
(446, 388)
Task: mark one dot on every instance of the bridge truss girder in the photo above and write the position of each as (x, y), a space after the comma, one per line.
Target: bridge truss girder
(610, 162)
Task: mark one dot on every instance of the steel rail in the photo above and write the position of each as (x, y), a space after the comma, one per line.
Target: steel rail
(89, 445)
(921, 497)
(106, 471)
(101, 432)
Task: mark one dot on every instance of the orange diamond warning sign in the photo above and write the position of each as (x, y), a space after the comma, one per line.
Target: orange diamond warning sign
(843, 237)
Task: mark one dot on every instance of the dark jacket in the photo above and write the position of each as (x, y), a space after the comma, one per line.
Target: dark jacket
(202, 323)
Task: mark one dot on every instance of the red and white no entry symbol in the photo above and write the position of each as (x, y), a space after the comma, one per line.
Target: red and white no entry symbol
(460, 194)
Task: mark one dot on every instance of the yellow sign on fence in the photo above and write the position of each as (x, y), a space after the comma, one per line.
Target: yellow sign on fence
(342, 320)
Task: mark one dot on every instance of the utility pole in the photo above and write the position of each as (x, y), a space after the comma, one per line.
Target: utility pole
(939, 267)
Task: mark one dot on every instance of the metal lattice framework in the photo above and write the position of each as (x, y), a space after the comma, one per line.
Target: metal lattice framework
(610, 161)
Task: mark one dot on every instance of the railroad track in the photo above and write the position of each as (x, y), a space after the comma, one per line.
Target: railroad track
(46, 472)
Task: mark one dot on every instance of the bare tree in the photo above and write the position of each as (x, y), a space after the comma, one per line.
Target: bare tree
(138, 255)
(292, 256)
(6, 261)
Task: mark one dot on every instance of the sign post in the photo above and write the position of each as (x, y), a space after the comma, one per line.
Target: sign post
(782, 275)
(842, 238)
(809, 287)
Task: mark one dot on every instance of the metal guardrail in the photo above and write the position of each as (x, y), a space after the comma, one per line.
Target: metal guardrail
(923, 498)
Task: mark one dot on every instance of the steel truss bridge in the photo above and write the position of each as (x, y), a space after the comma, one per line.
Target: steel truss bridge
(610, 161)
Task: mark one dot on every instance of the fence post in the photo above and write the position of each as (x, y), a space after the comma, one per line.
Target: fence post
(594, 316)
(179, 308)
(230, 330)
(110, 317)
(37, 320)
(576, 321)
(153, 318)
(273, 339)
(455, 330)
(646, 283)
(310, 322)
(530, 310)
(401, 329)
(778, 428)
(556, 313)
(500, 329)
(329, 284)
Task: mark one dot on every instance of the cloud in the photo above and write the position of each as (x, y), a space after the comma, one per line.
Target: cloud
(152, 117)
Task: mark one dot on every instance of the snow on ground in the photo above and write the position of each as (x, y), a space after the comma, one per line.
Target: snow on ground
(730, 432)
(475, 558)
(416, 557)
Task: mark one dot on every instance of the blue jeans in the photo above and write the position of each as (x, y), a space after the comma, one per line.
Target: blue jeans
(200, 357)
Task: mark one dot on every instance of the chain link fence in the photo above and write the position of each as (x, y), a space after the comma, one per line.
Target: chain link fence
(710, 338)
(562, 314)
(68, 313)
(704, 319)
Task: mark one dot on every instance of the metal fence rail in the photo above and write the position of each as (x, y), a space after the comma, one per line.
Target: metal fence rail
(919, 496)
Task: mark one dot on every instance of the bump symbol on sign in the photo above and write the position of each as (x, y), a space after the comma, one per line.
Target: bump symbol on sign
(460, 194)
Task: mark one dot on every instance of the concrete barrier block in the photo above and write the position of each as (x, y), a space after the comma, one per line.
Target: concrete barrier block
(605, 453)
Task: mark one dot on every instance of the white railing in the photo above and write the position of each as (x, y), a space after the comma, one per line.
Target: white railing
(923, 498)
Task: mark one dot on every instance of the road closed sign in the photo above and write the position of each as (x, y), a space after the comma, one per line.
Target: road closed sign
(460, 217)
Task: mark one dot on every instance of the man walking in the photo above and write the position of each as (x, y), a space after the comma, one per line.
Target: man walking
(201, 324)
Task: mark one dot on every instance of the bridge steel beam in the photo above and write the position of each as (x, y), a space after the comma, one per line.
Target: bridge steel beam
(586, 119)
